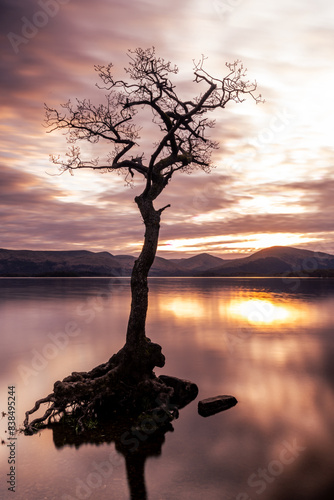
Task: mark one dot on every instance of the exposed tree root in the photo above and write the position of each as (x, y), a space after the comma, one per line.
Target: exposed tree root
(125, 385)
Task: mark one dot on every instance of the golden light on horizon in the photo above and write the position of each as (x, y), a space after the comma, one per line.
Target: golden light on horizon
(265, 240)
(234, 242)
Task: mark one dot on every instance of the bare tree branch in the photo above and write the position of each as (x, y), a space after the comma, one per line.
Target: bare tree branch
(181, 124)
(122, 385)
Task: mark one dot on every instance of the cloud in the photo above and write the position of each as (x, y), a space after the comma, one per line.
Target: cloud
(317, 195)
(33, 217)
(262, 167)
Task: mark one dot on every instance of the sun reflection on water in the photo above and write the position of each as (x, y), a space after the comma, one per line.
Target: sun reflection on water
(256, 310)
(263, 311)
(271, 350)
(185, 307)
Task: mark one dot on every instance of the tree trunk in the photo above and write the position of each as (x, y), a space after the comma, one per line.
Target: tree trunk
(126, 384)
(139, 286)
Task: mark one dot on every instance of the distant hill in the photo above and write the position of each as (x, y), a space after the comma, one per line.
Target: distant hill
(277, 261)
(199, 263)
(29, 263)
(58, 263)
(273, 261)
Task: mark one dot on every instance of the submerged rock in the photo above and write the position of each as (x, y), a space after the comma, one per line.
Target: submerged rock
(210, 406)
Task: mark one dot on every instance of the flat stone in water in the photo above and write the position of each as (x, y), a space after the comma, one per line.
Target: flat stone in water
(210, 406)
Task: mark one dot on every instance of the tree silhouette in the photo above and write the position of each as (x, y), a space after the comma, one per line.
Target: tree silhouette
(182, 146)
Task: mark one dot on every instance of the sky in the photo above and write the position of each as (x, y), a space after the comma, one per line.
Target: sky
(273, 181)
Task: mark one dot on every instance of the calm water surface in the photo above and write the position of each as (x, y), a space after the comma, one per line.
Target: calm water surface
(268, 342)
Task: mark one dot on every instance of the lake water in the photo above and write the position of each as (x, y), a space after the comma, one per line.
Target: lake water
(268, 342)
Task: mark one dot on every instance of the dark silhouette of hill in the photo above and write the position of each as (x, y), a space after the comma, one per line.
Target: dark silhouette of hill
(57, 263)
(29, 263)
(198, 263)
(277, 261)
(273, 261)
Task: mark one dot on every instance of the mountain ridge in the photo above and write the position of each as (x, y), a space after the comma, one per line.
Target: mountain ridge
(278, 261)
(272, 261)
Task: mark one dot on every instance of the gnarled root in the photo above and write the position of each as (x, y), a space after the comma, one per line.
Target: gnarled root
(125, 385)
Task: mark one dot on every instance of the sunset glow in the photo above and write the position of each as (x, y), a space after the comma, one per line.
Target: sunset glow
(223, 243)
(273, 183)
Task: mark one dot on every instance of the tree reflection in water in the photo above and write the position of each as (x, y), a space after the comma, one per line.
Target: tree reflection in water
(135, 440)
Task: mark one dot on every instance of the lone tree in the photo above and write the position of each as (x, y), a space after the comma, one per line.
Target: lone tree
(126, 383)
